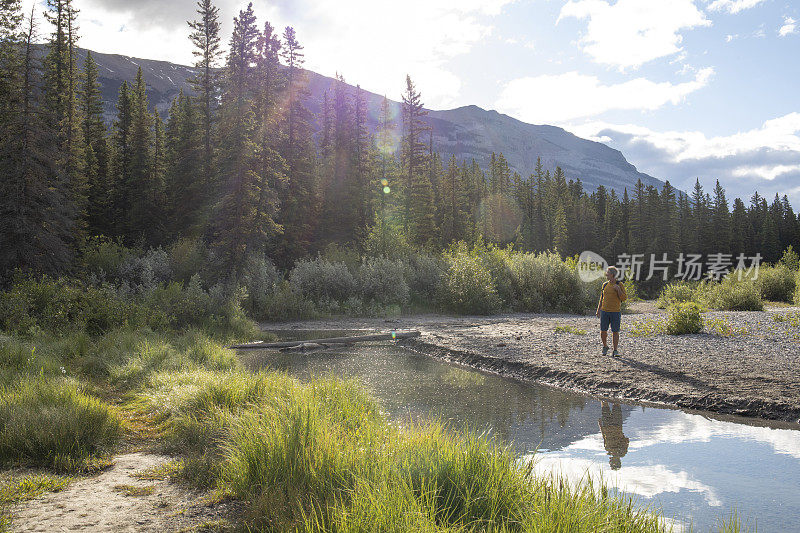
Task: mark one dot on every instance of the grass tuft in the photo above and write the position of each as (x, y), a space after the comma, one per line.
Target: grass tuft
(52, 423)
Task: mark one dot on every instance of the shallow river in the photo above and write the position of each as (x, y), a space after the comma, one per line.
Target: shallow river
(689, 465)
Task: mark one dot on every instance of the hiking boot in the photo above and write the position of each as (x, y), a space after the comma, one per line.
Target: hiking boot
(616, 353)
(605, 350)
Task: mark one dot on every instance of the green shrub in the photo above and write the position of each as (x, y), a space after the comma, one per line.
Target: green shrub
(425, 276)
(468, 286)
(261, 279)
(383, 280)
(287, 304)
(60, 306)
(498, 261)
(684, 318)
(140, 274)
(797, 289)
(103, 257)
(777, 283)
(54, 424)
(388, 240)
(731, 294)
(677, 292)
(319, 279)
(187, 257)
(545, 283)
(790, 259)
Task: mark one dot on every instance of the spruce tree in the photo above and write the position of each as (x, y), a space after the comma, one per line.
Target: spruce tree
(100, 220)
(720, 221)
(299, 202)
(141, 221)
(184, 189)
(271, 165)
(206, 85)
(740, 228)
(419, 211)
(61, 90)
(37, 230)
(121, 162)
(243, 224)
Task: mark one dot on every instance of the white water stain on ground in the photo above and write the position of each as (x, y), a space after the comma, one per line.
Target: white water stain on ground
(107, 502)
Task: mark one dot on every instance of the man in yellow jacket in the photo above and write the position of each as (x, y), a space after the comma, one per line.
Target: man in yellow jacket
(609, 308)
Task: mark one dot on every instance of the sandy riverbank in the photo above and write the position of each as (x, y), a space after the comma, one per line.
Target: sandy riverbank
(754, 373)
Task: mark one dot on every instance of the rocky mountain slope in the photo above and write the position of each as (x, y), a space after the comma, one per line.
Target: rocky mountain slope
(468, 132)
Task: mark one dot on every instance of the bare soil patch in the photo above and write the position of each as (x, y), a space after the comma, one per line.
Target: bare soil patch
(117, 500)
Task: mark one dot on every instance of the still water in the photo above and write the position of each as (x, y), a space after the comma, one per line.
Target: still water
(688, 465)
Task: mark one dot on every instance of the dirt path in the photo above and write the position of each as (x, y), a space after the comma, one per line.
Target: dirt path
(117, 501)
(754, 373)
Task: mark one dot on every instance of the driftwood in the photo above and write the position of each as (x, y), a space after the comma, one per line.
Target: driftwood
(329, 340)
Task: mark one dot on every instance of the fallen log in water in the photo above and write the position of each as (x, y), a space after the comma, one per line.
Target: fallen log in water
(329, 340)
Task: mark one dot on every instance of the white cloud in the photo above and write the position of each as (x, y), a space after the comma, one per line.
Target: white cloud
(733, 6)
(644, 481)
(764, 158)
(789, 27)
(630, 33)
(377, 43)
(562, 97)
(373, 43)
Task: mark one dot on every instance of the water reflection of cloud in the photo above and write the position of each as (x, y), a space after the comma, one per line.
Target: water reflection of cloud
(686, 428)
(694, 428)
(646, 481)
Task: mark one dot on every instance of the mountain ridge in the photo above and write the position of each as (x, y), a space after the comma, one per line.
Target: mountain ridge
(468, 132)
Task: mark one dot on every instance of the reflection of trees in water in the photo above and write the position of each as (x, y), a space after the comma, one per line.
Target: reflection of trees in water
(409, 384)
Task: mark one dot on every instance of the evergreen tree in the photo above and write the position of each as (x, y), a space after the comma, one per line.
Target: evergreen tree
(299, 203)
(245, 214)
(100, 219)
(453, 204)
(740, 228)
(206, 85)
(122, 160)
(61, 90)
(637, 224)
(770, 239)
(418, 216)
(271, 166)
(667, 222)
(387, 149)
(143, 218)
(184, 190)
(34, 196)
(363, 159)
(721, 221)
(700, 220)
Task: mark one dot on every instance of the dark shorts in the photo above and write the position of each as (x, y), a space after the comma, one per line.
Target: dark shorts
(609, 318)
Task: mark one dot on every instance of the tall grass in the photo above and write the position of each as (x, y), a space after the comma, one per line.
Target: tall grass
(322, 457)
(54, 424)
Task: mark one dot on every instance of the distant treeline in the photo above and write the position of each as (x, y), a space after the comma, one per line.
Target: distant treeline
(239, 165)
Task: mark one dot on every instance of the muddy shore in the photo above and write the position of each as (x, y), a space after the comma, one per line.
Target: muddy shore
(752, 373)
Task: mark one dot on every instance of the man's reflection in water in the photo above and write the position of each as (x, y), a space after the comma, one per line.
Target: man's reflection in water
(615, 442)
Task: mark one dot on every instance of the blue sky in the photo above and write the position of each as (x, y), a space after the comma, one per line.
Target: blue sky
(684, 88)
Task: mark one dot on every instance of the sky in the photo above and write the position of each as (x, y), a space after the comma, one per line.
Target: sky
(685, 89)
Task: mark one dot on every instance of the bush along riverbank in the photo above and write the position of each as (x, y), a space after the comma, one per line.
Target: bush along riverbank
(318, 456)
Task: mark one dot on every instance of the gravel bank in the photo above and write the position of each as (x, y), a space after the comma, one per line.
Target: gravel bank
(753, 373)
